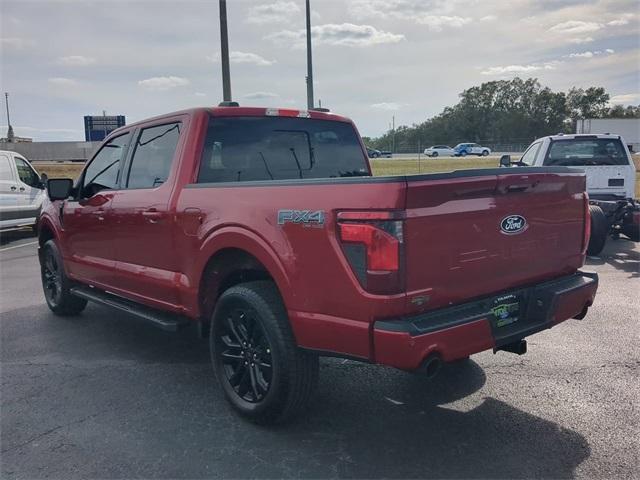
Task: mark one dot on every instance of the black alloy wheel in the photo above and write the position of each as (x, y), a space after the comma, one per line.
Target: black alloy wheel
(244, 353)
(51, 278)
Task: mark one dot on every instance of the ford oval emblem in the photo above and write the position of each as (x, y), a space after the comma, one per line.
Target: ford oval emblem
(513, 224)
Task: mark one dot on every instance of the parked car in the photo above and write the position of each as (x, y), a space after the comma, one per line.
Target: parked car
(464, 149)
(21, 192)
(265, 229)
(439, 151)
(373, 153)
(611, 177)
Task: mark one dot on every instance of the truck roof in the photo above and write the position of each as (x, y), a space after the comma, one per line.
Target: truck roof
(244, 112)
(570, 136)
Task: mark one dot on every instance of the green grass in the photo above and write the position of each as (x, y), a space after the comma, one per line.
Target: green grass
(381, 167)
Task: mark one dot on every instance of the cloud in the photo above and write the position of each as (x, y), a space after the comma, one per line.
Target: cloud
(488, 18)
(625, 99)
(62, 82)
(388, 106)
(280, 11)
(163, 83)
(345, 34)
(435, 14)
(517, 69)
(16, 43)
(260, 95)
(573, 27)
(623, 20)
(243, 57)
(590, 54)
(580, 41)
(76, 61)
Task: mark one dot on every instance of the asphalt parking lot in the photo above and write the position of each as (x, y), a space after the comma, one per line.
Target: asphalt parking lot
(104, 396)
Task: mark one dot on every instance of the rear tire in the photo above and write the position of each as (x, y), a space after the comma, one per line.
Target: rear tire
(55, 284)
(599, 230)
(485, 153)
(264, 375)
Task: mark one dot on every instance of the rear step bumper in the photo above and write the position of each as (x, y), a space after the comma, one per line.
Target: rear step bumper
(493, 322)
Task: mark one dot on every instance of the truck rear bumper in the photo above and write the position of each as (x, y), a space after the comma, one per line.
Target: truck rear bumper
(457, 332)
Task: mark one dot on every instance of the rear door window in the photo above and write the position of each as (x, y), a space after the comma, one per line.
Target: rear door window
(153, 156)
(278, 148)
(586, 152)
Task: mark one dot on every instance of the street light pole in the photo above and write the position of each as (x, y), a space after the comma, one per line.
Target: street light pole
(224, 53)
(310, 102)
(10, 135)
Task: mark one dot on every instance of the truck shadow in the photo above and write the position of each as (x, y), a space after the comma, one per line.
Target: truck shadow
(365, 422)
(621, 254)
(8, 237)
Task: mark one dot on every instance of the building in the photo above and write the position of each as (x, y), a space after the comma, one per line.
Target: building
(627, 128)
(97, 127)
(53, 151)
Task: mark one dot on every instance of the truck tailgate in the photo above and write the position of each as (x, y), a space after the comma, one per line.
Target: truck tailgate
(482, 232)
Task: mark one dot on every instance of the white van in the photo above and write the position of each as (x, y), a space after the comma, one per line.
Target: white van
(21, 192)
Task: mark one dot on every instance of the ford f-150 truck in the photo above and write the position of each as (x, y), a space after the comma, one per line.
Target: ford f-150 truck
(266, 229)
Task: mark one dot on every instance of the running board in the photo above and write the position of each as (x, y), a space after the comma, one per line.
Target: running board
(165, 321)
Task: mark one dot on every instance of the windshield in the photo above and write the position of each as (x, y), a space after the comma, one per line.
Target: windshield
(279, 148)
(586, 152)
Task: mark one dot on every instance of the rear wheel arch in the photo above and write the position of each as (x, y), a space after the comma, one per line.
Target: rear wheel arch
(224, 269)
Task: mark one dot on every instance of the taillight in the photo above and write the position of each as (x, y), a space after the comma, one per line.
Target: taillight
(587, 224)
(373, 245)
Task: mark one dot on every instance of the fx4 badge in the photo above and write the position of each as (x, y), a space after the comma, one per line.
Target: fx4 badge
(513, 224)
(308, 218)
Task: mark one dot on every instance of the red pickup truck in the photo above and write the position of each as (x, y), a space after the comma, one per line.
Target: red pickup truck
(266, 229)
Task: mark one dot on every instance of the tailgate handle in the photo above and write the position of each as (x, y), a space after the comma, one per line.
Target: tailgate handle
(518, 188)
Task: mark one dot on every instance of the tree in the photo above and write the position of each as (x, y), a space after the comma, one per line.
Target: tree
(590, 103)
(506, 111)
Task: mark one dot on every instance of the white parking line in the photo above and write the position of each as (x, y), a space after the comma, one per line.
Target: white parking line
(17, 246)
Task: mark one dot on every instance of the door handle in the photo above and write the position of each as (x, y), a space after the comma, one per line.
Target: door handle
(152, 215)
(22, 189)
(13, 188)
(99, 214)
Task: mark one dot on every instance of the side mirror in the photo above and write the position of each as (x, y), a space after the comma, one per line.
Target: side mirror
(43, 181)
(505, 161)
(59, 188)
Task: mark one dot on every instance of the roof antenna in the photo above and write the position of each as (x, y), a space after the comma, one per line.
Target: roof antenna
(224, 58)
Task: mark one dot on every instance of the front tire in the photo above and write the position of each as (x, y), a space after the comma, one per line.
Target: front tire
(56, 285)
(434, 154)
(599, 230)
(264, 375)
(463, 153)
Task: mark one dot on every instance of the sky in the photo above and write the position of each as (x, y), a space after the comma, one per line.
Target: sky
(373, 59)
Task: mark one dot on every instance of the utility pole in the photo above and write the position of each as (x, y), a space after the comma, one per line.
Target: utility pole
(10, 135)
(393, 148)
(224, 53)
(104, 122)
(309, 61)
